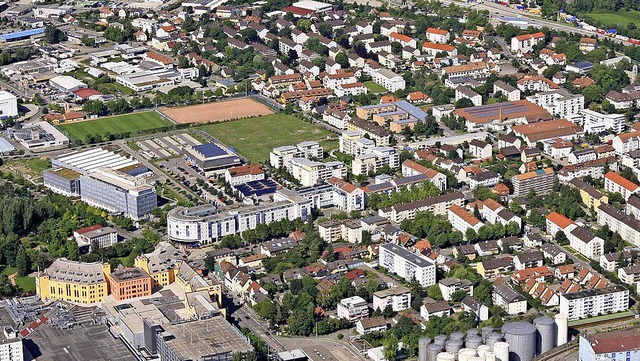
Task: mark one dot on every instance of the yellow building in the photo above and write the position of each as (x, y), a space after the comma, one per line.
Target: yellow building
(190, 281)
(590, 195)
(71, 281)
(161, 264)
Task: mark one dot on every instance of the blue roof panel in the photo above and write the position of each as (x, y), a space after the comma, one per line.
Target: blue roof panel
(209, 150)
(22, 34)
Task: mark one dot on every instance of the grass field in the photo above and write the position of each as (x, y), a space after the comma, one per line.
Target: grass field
(375, 87)
(254, 138)
(128, 123)
(619, 18)
(26, 284)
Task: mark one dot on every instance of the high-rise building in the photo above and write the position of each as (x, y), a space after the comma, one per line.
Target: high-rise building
(540, 181)
(407, 265)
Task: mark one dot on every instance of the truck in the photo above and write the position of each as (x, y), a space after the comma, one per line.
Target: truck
(611, 32)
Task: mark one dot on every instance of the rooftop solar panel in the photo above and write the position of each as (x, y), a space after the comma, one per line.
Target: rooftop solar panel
(209, 150)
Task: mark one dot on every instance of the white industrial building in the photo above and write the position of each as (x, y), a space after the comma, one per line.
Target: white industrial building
(8, 104)
(407, 265)
(39, 135)
(610, 346)
(66, 83)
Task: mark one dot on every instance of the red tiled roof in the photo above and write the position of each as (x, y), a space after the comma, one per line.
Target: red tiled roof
(88, 229)
(437, 31)
(621, 181)
(559, 220)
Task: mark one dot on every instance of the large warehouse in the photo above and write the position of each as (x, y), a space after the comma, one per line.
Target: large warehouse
(211, 156)
(8, 104)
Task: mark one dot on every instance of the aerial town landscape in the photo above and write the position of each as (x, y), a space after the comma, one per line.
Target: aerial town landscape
(209, 180)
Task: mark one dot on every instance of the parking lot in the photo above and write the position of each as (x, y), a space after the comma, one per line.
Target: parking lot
(166, 147)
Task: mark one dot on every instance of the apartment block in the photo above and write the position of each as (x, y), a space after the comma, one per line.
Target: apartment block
(72, 281)
(615, 183)
(594, 302)
(310, 172)
(374, 159)
(281, 156)
(353, 309)
(397, 298)
(559, 102)
(462, 220)
(407, 265)
(540, 181)
(626, 226)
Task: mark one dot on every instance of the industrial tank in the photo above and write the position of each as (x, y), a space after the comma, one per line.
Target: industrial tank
(423, 343)
(483, 350)
(433, 351)
(477, 358)
(546, 335)
(453, 346)
(473, 332)
(446, 356)
(493, 338)
(490, 356)
(521, 337)
(466, 354)
(457, 336)
(440, 340)
(486, 331)
(473, 342)
(562, 329)
(501, 350)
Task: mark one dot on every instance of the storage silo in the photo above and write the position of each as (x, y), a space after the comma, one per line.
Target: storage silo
(483, 350)
(546, 335)
(446, 356)
(433, 351)
(521, 337)
(453, 346)
(473, 332)
(486, 331)
(466, 354)
(501, 350)
(493, 338)
(473, 342)
(458, 336)
(562, 329)
(490, 356)
(477, 358)
(423, 343)
(440, 340)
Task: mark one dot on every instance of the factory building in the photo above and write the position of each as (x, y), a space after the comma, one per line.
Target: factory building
(211, 156)
(610, 346)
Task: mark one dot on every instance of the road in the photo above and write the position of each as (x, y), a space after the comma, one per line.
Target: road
(248, 318)
(452, 139)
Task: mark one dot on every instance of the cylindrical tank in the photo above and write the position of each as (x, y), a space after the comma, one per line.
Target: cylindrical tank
(492, 338)
(423, 343)
(433, 351)
(562, 331)
(486, 331)
(490, 356)
(483, 350)
(477, 358)
(473, 332)
(440, 340)
(501, 350)
(446, 356)
(456, 336)
(473, 342)
(466, 354)
(453, 346)
(521, 337)
(546, 335)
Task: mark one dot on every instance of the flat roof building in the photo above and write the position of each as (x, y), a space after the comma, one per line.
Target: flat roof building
(211, 156)
(126, 283)
(407, 265)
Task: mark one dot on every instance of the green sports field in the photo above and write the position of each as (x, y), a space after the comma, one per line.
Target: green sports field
(375, 87)
(253, 138)
(121, 124)
(617, 19)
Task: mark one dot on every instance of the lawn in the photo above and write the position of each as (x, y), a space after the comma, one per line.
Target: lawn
(375, 87)
(129, 123)
(28, 168)
(619, 18)
(26, 284)
(253, 138)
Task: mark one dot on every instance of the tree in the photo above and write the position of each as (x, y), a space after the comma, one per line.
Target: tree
(23, 262)
(463, 103)
(471, 235)
(512, 229)
(53, 35)
(390, 349)
(458, 296)
(434, 292)
(341, 58)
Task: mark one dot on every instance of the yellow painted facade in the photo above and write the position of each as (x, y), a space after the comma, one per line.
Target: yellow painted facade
(160, 279)
(70, 291)
(592, 202)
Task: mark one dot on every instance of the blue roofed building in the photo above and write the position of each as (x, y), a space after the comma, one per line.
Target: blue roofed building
(21, 35)
(211, 156)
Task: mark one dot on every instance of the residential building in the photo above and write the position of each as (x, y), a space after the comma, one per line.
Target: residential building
(554, 253)
(484, 179)
(610, 262)
(626, 142)
(529, 259)
(559, 102)
(610, 346)
(479, 149)
(437, 205)
(388, 79)
(96, 234)
(435, 35)
(493, 267)
(615, 183)
(161, 264)
(72, 281)
(432, 308)
(449, 286)
(369, 325)
(540, 181)
(244, 174)
(510, 92)
(462, 220)
(397, 298)
(594, 122)
(509, 300)
(594, 302)
(629, 275)
(310, 172)
(411, 168)
(353, 309)
(407, 265)
(464, 92)
(626, 226)
(373, 160)
(281, 156)
(206, 224)
(586, 243)
(526, 43)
